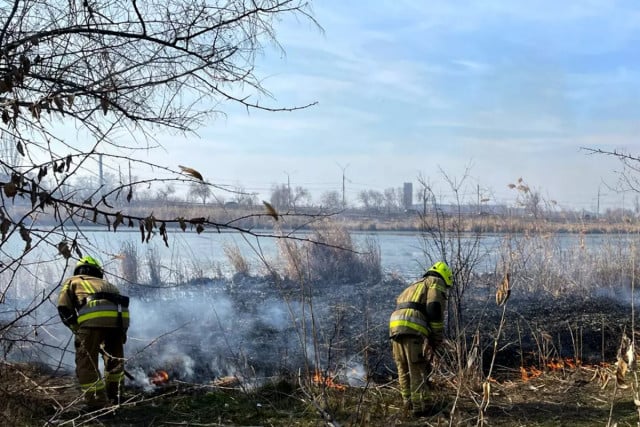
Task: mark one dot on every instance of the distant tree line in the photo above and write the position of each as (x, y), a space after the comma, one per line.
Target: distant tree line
(528, 201)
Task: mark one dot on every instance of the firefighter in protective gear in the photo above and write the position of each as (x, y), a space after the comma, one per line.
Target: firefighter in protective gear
(416, 331)
(98, 316)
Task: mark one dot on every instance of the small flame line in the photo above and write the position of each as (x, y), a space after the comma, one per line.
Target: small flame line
(320, 379)
(159, 377)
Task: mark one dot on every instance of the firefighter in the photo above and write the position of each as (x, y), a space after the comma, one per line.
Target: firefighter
(416, 332)
(98, 316)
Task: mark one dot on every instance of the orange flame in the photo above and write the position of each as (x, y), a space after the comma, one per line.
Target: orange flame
(566, 363)
(553, 364)
(533, 373)
(572, 364)
(320, 379)
(159, 377)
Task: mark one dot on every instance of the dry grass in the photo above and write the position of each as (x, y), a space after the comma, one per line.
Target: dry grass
(129, 262)
(571, 397)
(237, 259)
(330, 257)
(538, 318)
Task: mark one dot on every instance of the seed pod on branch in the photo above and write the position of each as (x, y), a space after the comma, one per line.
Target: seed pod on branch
(42, 172)
(119, 220)
(4, 227)
(10, 190)
(45, 199)
(149, 224)
(59, 104)
(64, 250)
(104, 104)
(34, 194)
(191, 172)
(271, 210)
(26, 236)
(163, 233)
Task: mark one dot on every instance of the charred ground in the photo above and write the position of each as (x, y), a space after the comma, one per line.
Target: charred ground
(537, 334)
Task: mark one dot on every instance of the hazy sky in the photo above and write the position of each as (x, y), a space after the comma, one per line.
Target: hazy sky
(405, 88)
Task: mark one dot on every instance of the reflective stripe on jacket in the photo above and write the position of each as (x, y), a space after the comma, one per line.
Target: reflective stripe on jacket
(436, 306)
(410, 318)
(102, 309)
(77, 293)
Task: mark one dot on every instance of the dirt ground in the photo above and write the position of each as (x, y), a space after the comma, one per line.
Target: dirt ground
(573, 396)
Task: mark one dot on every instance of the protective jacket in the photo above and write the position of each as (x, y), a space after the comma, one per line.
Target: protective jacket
(420, 310)
(87, 301)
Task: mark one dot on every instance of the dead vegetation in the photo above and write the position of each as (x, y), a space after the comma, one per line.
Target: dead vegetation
(555, 365)
(542, 351)
(583, 395)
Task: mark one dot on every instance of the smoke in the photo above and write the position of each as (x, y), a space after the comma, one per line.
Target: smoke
(354, 373)
(141, 379)
(253, 328)
(245, 327)
(221, 328)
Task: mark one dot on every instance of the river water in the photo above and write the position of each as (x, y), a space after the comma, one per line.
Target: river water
(401, 253)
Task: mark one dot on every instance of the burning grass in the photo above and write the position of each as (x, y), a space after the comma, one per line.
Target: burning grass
(554, 367)
(533, 385)
(570, 396)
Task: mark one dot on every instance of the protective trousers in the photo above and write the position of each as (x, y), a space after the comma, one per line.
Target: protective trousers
(89, 342)
(413, 370)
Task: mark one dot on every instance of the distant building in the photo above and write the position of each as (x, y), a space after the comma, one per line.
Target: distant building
(407, 195)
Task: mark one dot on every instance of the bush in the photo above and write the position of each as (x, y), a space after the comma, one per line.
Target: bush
(330, 256)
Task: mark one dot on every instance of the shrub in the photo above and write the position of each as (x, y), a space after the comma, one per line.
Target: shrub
(330, 256)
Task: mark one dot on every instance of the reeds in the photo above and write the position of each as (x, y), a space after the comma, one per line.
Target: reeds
(330, 256)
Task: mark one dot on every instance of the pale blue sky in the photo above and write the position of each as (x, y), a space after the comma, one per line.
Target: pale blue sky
(512, 89)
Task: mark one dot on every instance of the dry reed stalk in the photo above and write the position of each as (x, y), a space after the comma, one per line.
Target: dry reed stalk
(236, 259)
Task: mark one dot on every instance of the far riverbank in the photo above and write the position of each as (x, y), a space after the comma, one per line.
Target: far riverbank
(257, 217)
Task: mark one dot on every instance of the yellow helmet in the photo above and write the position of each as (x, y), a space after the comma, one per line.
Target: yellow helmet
(443, 270)
(88, 265)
